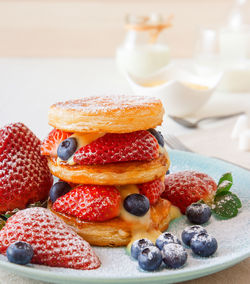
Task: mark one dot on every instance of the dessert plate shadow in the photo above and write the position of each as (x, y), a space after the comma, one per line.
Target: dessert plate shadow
(117, 267)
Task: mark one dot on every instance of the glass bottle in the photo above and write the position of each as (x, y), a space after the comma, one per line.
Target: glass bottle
(234, 36)
(144, 50)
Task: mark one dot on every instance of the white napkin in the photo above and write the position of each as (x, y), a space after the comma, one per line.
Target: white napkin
(241, 131)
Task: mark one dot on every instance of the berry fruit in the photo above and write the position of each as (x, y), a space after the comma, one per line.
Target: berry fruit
(136, 204)
(203, 244)
(166, 238)
(67, 148)
(174, 255)
(150, 258)
(90, 202)
(189, 232)
(52, 141)
(53, 242)
(24, 173)
(152, 190)
(158, 136)
(184, 188)
(138, 246)
(114, 147)
(198, 213)
(20, 253)
(59, 189)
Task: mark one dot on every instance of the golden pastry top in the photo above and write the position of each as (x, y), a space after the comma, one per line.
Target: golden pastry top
(110, 114)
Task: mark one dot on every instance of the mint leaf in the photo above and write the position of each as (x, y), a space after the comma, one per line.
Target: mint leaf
(224, 186)
(226, 205)
(227, 176)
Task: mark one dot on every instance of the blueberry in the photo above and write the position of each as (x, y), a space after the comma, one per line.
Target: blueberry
(189, 232)
(136, 204)
(174, 255)
(20, 253)
(166, 238)
(168, 172)
(138, 246)
(203, 244)
(157, 135)
(58, 189)
(150, 258)
(198, 213)
(66, 148)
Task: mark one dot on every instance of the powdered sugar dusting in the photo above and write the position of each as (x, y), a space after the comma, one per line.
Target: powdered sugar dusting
(24, 173)
(173, 250)
(186, 187)
(53, 242)
(232, 236)
(114, 147)
(93, 105)
(90, 202)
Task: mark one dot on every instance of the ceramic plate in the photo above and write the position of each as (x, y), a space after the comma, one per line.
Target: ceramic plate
(117, 267)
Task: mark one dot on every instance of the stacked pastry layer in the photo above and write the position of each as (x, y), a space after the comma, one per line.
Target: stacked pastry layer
(107, 149)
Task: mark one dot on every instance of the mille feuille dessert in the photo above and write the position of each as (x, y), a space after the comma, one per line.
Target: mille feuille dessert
(111, 163)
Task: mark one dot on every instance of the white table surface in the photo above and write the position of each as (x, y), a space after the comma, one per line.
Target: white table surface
(29, 86)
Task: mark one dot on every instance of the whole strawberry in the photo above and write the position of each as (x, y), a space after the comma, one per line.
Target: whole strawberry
(186, 187)
(113, 147)
(152, 190)
(53, 242)
(24, 174)
(90, 202)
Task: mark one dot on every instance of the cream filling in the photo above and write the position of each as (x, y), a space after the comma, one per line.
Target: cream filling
(136, 222)
(140, 226)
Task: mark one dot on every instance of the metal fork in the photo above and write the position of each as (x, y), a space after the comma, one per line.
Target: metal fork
(175, 144)
(189, 124)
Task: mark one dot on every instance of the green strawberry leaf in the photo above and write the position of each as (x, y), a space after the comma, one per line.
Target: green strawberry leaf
(226, 205)
(8, 214)
(38, 204)
(2, 223)
(227, 176)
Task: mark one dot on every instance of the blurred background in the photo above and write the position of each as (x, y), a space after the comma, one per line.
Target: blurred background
(192, 54)
(96, 27)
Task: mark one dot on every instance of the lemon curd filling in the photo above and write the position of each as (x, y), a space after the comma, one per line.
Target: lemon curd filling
(141, 227)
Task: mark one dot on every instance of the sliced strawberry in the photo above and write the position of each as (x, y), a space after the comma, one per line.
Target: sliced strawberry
(187, 187)
(54, 243)
(24, 174)
(52, 141)
(152, 190)
(113, 147)
(90, 202)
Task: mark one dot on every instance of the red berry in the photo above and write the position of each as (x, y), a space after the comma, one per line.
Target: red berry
(113, 147)
(54, 243)
(90, 202)
(52, 141)
(152, 190)
(187, 187)
(24, 174)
